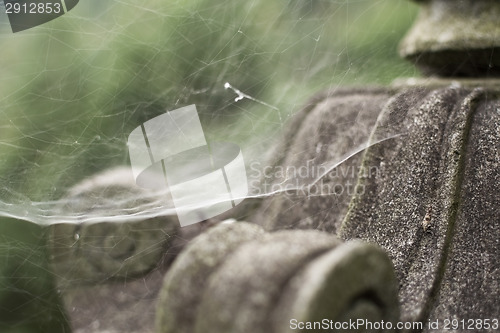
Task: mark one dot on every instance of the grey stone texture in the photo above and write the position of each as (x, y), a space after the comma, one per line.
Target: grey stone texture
(84, 253)
(355, 280)
(187, 278)
(236, 278)
(329, 127)
(242, 294)
(455, 38)
(433, 205)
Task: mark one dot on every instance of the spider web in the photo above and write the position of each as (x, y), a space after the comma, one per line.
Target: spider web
(72, 90)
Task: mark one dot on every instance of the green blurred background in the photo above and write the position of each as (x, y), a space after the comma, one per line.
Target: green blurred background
(72, 90)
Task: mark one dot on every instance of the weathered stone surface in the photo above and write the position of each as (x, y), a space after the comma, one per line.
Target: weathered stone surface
(125, 304)
(470, 285)
(353, 281)
(418, 177)
(97, 252)
(456, 38)
(187, 278)
(332, 127)
(433, 205)
(119, 306)
(235, 278)
(241, 294)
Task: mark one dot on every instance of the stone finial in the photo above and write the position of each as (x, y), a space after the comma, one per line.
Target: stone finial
(88, 253)
(455, 38)
(237, 278)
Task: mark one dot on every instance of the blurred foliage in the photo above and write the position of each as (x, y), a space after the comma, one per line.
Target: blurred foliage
(72, 89)
(29, 300)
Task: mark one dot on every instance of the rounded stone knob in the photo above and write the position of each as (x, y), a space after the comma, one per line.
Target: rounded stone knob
(188, 276)
(455, 38)
(84, 253)
(236, 278)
